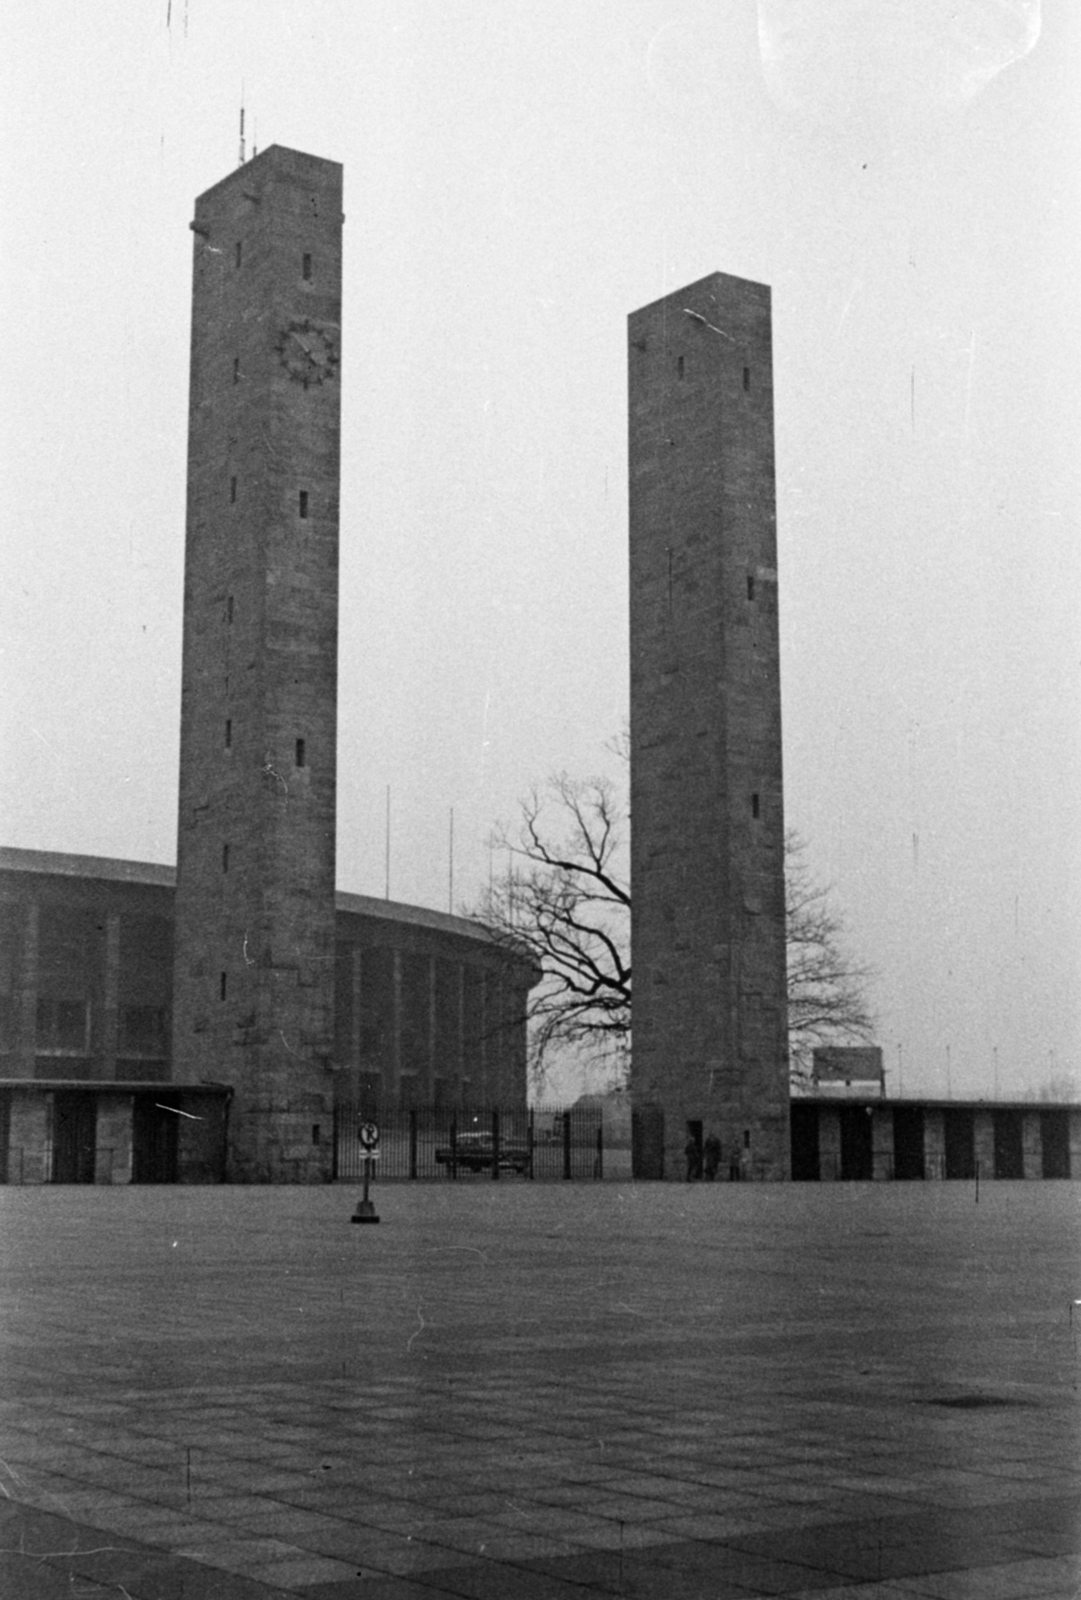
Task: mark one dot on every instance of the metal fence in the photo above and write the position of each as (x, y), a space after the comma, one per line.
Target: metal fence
(535, 1143)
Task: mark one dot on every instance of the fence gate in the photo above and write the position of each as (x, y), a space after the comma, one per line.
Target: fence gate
(471, 1144)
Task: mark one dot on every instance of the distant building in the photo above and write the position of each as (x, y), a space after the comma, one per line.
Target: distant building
(863, 1138)
(847, 1070)
(428, 1011)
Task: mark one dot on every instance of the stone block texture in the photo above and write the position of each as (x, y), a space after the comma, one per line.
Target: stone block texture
(30, 1137)
(707, 850)
(934, 1144)
(984, 1143)
(882, 1143)
(254, 964)
(112, 1142)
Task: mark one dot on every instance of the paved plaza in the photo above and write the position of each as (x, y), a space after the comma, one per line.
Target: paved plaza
(515, 1390)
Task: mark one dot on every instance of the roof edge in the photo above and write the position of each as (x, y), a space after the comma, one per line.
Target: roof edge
(110, 869)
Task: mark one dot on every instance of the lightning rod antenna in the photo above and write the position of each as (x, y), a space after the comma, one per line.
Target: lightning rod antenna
(242, 125)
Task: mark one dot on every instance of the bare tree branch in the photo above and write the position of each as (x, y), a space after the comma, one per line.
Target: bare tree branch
(827, 988)
(565, 900)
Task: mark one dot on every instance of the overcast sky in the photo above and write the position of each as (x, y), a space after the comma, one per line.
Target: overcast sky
(518, 178)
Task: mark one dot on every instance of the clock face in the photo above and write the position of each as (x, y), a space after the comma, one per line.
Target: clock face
(307, 353)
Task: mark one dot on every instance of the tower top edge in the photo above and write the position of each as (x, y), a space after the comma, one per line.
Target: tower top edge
(724, 282)
(282, 161)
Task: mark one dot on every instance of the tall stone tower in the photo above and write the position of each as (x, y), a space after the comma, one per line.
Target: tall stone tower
(254, 977)
(707, 837)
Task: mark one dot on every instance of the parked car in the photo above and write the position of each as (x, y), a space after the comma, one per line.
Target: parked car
(472, 1152)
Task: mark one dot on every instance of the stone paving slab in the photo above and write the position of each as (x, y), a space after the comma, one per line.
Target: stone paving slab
(541, 1392)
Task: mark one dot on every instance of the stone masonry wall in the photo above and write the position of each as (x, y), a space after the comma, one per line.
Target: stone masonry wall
(254, 974)
(707, 850)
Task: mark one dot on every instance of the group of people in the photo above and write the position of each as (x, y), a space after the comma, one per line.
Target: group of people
(704, 1159)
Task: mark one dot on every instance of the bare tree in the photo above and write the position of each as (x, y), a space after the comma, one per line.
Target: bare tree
(1061, 1087)
(564, 898)
(827, 988)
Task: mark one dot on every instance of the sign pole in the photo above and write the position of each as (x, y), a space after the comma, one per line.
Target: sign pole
(368, 1139)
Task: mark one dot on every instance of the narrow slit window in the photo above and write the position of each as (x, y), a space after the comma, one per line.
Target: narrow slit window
(316, 1132)
(303, 505)
(302, 754)
(750, 586)
(232, 490)
(679, 367)
(239, 252)
(236, 369)
(229, 609)
(755, 806)
(224, 985)
(746, 378)
(306, 268)
(228, 733)
(225, 858)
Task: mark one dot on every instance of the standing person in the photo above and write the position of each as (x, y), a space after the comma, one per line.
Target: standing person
(711, 1150)
(694, 1158)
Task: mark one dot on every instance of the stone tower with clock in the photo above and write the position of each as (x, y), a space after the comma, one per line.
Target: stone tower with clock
(253, 1002)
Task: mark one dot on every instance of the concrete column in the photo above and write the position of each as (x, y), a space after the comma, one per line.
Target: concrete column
(519, 1048)
(882, 1143)
(113, 1139)
(110, 1009)
(26, 998)
(482, 1042)
(984, 1140)
(1032, 1144)
(829, 1144)
(358, 1023)
(934, 1144)
(30, 1144)
(459, 1070)
(494, 1040)
(496, 1043)
(433, 1064)
(396, 1029)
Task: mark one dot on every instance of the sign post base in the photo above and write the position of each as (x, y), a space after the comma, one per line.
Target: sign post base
(365, 1211)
